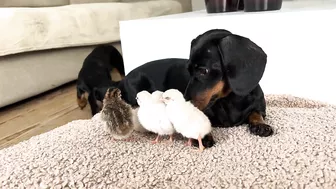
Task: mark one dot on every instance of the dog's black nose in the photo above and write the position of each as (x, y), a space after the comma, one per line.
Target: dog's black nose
(186, 96)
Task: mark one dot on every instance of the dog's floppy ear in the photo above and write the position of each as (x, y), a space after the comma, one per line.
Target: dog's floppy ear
(199, 42)
(243, 62)
(211, 35)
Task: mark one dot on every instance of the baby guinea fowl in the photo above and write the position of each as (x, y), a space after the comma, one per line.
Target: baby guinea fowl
(117, 114)
(188, 120)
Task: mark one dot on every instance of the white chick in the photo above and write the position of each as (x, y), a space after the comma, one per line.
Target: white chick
(137, 125)
(152, 115)
(157, 96)
(188, 120)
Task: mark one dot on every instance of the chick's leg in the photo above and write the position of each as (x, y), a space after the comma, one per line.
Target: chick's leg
(200, 144)
(130, 139)
(156, 140)
(170, 139)
(188, 143)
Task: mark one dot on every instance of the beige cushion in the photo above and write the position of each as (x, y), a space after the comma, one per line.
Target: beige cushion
(132, 1)
(186, 4)
(92, 1)
(32, 3)
(72, 25)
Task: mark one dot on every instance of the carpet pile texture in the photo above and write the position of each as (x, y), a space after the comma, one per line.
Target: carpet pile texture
(81, 154)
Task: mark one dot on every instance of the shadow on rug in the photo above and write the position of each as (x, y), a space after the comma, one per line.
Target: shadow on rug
(301, 154)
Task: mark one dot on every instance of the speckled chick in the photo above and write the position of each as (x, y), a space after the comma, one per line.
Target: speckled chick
(117, 114)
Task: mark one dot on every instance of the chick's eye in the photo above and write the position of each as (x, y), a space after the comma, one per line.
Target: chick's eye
(167, 98)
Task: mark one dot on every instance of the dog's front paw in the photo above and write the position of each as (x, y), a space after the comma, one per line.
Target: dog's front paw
(208, 141)
(262, 130)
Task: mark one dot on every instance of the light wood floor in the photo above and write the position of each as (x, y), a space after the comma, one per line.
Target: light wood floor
(40, 114)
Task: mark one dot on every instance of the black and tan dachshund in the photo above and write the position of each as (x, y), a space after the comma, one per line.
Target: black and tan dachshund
(94, 78)
(221, 77)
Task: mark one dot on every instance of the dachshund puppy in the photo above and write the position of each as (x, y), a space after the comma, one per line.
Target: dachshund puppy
(221, 78)
(94, 77)
(225, 71)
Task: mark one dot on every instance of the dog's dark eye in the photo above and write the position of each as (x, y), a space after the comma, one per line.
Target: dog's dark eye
(202, 70)
(167, 98)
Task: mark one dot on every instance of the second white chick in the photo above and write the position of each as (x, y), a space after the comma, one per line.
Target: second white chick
(188, 120)
(157, 96)
(137, 125)
(152, 115)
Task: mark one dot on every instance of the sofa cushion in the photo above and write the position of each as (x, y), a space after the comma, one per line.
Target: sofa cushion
(72, 25)
(92, 1)
(186, 4)
(32, 3)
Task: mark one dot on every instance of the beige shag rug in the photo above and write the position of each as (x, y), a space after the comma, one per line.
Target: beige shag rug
(301, 154)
